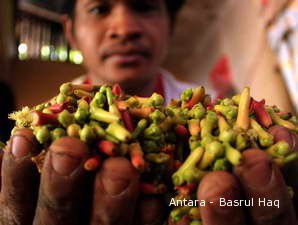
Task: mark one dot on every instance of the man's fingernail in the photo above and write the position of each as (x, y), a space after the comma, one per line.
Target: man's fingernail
(220, 192)
(63, 163)
(116, 177)
(219, 185)
(20, 146)
(115, 186)
(258, 175)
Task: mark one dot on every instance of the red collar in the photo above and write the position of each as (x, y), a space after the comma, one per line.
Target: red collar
(159, 84)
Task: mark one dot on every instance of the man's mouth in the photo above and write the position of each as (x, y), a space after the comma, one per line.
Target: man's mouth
(127, 56)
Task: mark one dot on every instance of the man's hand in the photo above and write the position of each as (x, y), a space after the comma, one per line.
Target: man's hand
(67, 194)
(257, 177)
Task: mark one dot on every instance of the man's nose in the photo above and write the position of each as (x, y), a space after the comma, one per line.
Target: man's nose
(124, 25)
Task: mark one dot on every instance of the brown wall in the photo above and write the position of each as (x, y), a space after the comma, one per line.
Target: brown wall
(7, 46)
(37, 81)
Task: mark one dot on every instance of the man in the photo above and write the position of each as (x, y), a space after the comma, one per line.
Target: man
(124, 41)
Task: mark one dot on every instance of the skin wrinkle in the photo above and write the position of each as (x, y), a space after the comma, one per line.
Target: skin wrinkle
(60, 210)
(6, 218)
(47, 203)
(118, 209)
(54, 206)
(266, 220)
(34, 148)
(13, 199)
(121, 194)
(274, 216)
(73, 173)
(27, 139)
(11, 216)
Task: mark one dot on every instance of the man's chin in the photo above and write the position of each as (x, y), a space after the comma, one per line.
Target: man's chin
(128, 76)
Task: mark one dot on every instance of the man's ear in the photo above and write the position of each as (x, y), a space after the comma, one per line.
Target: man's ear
(68, 28)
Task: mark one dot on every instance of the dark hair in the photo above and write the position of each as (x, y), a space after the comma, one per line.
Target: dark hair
(173, 7)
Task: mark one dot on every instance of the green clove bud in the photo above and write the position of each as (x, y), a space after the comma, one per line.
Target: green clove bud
(42, 134)
(87, 134)
(103, 116)
(142, 124)
(186, 95)
(232, 154)
(153, 132)
(66, 88)
(213, 150)
(229, 111)
(159, 158)
(119, 132)
(156, 100)
(65, 118)
(197, 112)
(242, 141)
(157, 116)
(177, 213)
(279, 149)
(57, 133)
(81, 115)
(73, 130)
(188, 171)
(265, 138)
(221, 164)
(196, 222)
(99, 131)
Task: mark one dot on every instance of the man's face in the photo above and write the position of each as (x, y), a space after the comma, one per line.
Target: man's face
(121, 40)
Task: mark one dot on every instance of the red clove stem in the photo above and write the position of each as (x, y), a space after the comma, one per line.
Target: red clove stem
(127, 119)
(59, 107)
(92, 163)
(263, 117)
(186, 189)
(137, 156)
(151, 189)
(181, 131)
(107, 147)
(177, 164)
(40, 118)
(117, 90)
(168, 148)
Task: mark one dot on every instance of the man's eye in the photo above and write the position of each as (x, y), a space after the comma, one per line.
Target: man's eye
(100, 10)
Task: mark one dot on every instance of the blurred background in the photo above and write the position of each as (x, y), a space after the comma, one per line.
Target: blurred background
(224, 45)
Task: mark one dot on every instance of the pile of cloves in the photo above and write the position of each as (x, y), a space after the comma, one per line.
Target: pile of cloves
(173, 146)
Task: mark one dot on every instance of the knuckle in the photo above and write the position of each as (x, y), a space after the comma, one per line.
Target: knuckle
(58, 211)
(275, 217)
(61, 207)
(9, 216)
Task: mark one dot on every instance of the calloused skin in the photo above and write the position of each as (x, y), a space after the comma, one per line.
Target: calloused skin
(65, 193)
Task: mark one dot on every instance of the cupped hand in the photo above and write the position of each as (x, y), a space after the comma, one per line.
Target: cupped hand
(256, 178)
(64, 193)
